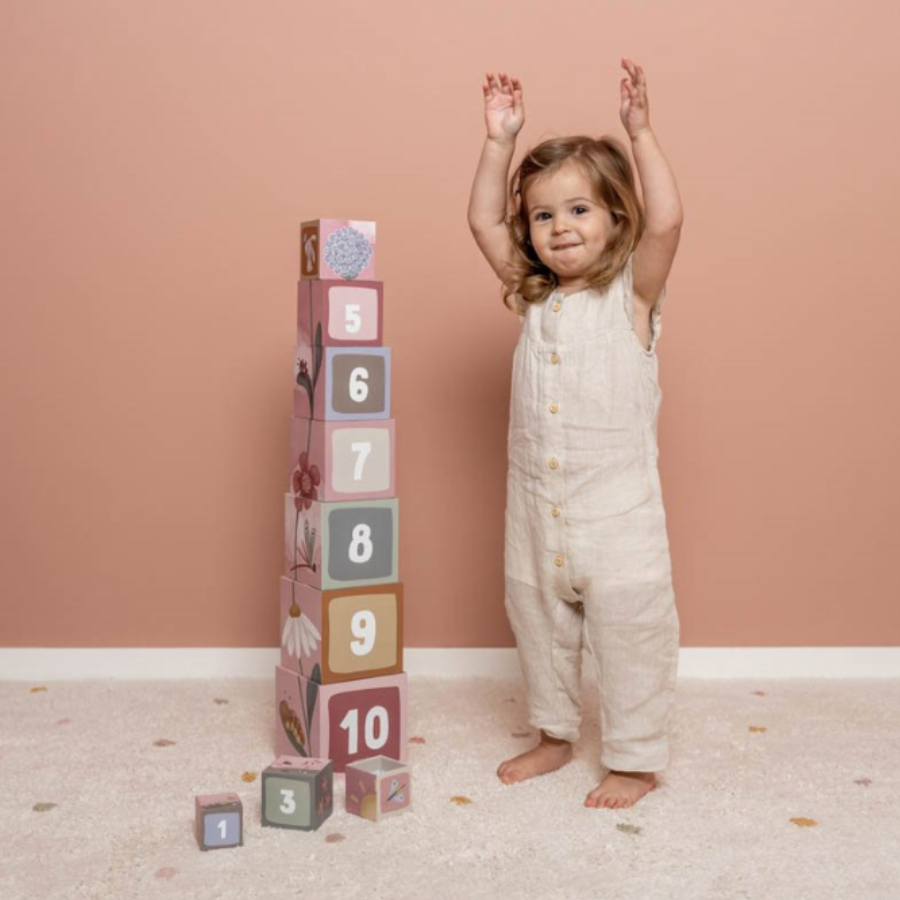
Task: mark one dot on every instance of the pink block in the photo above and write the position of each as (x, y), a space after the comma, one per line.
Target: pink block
(341, 460)
(341, 635)
(337, 249)
(342, 722)
(339, 313)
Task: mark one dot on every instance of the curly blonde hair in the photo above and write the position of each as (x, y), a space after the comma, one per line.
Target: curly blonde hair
(606, 165)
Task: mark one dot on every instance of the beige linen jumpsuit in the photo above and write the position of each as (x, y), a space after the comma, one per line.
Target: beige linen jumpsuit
(586, 545)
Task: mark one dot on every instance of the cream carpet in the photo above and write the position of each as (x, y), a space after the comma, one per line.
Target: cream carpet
(776, 789)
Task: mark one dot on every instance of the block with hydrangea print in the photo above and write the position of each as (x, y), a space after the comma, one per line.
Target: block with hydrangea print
(343, 634)
(339, 313)
(341, 460)
(337, 248)
(297, 792)
(344, 383)
(341, 544)
(343, 722)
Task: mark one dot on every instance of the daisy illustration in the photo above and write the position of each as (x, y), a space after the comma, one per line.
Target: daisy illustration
(300, 635)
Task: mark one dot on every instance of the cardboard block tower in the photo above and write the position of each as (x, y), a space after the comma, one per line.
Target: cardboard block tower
(341, 693)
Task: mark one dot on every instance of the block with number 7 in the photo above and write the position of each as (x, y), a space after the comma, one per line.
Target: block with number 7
(297, 792)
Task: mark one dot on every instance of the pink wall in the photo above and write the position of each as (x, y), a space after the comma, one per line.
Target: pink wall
(157, 160)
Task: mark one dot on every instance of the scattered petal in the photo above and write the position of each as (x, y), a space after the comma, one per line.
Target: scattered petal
(417, 740)
(163, 742)
(38, 690)
(43, 807)
(248, 777)
(63, 721)
(760, 693)
(510, 700)
(166, 872)
(520, 734)
(863, 781)
(460, 800)
(333, 838)
(220, 700)
(757, 728)
(804, 823)
(629, 829)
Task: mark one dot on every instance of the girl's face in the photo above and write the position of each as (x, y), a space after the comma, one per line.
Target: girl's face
(567, 226)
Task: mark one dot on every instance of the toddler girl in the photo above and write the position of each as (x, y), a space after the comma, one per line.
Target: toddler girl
(586, 553)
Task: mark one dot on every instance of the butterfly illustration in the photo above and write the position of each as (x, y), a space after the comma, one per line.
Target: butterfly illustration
(397, 793)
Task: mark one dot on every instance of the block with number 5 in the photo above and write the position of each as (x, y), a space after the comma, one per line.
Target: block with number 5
(297, 792)
(340, 313)
(340, 635)
(342, 722)
(341, 544)
(341, 460)
(343, 383)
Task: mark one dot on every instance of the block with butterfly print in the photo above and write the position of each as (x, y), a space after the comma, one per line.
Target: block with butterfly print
(343, 383)
(338, 313)
(341, 460)
(343, 722)
(337, 248)
(297, 792)
(342, 634)
(341, 544)
(377, 787)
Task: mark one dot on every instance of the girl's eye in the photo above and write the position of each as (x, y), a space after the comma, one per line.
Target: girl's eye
(581, 207)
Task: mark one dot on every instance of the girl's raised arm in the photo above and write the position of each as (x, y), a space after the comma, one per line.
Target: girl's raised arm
(504, 115)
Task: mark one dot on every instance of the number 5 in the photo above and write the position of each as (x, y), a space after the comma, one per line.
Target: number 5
(353, 319)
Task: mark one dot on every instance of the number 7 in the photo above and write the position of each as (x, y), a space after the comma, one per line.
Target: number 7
(363, 448)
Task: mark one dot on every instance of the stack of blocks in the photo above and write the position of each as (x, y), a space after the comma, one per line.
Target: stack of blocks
(341, 693)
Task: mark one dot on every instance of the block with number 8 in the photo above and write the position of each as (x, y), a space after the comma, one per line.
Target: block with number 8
(297, 792)
(341, 544)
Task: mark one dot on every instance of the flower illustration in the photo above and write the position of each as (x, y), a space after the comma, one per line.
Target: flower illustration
(347, 251)
(306, 479)
(300, 635)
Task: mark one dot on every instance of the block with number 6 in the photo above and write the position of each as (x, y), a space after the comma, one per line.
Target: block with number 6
(297, 792)
(218, 821)
(342, 722)
(343, 634)
(341, 544)
(344, 383)
(341, 460)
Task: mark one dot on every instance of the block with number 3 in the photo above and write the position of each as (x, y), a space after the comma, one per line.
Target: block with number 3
(342, 722)
(297, 792)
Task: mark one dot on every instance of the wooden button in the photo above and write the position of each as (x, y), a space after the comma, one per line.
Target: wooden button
(558, 561)
(554, 407)
(557, 307)
(554, 512)
(554, 464)
(554, 358)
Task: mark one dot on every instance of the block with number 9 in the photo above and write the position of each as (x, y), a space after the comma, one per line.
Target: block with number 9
(343, 634)
(297, 792)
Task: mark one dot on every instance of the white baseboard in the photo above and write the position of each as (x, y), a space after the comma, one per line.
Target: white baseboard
(152, 663)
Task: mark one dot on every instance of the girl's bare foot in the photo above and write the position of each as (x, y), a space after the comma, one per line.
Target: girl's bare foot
(621, 789)
(551, 753)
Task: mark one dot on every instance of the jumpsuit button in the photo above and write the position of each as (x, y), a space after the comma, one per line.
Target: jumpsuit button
(557, 307)
(554, 464)
(554, 407)
(558, 561)
(554, 358)
(555, 512)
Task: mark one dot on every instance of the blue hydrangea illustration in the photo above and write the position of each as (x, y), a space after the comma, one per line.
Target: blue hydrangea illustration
(347, 251)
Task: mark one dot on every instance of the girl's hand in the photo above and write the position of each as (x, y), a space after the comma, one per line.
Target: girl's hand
(635, 110)
(504, 112)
